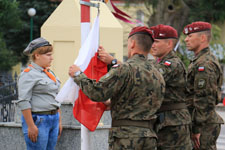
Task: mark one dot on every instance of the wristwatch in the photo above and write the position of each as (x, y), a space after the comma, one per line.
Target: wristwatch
(114, 61)
(77, 73)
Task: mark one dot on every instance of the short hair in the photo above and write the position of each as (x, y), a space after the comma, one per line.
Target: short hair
(144, 41)
(173, 40)
(207, 33)
(41, 50)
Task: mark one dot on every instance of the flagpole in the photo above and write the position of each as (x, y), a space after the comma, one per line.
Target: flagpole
(85, 28)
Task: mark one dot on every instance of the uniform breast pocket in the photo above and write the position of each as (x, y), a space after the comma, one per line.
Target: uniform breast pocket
(45, 85)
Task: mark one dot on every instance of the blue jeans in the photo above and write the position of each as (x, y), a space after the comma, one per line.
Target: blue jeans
(48, 129)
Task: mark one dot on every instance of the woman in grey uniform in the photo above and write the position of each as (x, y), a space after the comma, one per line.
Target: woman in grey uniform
(38, 87)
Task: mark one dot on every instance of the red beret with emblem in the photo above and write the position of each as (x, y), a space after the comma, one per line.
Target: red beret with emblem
(140, 30)
(164, 32)
(196, 27)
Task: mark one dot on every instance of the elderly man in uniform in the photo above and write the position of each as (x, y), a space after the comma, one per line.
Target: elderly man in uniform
(136, 90)
(204, 85)
(174, 118)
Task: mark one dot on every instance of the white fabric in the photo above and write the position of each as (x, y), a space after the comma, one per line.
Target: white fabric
(69, 92)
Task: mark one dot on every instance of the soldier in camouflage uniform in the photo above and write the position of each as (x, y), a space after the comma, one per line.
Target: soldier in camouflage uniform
(174, 118)
(136, 90)
(204, 85)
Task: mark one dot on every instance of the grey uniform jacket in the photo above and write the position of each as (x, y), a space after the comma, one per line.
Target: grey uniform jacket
(37, 91)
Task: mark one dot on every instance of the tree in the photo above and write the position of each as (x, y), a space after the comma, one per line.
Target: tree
(7, 58)
(9, 16)
(18, 39)
(178, 13)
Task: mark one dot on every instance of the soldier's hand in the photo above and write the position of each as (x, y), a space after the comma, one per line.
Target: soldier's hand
(107, 104)
(73, 69)
(196, 140)
(104, 56)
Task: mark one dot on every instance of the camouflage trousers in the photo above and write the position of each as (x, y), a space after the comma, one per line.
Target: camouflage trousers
(174, 138)
(209, 135)
(141, 143)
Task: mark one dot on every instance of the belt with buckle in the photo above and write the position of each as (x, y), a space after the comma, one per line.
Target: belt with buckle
(50, 112)
(137, 123)
(172, 106)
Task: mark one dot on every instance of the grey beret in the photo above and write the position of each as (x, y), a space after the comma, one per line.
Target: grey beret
(36, 43)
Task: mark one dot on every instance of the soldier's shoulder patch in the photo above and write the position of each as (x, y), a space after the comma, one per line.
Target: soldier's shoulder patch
(116, 65)
(201, 68)
(201, 83)
(167, 63)
(26, 70)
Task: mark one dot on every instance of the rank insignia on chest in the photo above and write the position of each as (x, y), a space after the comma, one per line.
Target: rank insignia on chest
(201, 68)
(167, 63)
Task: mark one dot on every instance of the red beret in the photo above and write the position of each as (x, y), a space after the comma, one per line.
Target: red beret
(164, 32)
(196, 27)
(140, 30)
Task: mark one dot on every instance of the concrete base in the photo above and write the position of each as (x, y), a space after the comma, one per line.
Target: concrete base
(11, 136)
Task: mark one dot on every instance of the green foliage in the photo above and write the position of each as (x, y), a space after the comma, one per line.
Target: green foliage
(18, 38)
(8, 60)
(152, 3)
(216, 45)
(210, 10)
(9, 16)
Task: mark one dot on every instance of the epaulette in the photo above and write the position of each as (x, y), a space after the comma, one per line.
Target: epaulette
(26, 70)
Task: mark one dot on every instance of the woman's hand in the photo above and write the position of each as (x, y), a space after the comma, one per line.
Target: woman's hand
(33, 133)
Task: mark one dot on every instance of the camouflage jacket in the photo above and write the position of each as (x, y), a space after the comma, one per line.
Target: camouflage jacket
(136, 90)
(174, 73)
(204, 89)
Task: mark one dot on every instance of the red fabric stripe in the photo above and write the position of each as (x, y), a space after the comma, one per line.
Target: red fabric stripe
(86, 111)
(85, 12)
(224, 101)
(122, 18)
(119, 11)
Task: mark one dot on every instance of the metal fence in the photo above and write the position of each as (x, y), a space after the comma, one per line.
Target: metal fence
(8, 93)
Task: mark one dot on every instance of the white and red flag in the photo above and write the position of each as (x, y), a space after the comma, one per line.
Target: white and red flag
(86, 111)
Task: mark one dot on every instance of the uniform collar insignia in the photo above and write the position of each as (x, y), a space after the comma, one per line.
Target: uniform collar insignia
(186, 30)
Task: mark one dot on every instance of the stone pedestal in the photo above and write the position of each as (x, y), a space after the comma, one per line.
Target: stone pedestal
(11, 136)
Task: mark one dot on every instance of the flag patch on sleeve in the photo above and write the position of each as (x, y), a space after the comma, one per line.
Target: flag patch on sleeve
(201, 68)
(167, 63)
